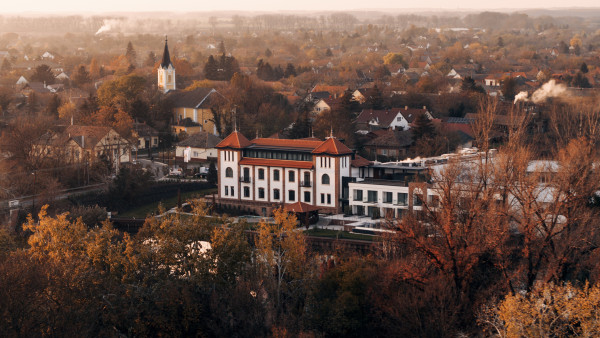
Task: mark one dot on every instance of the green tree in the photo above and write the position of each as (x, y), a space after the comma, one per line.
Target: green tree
(150, 59)
(423, 127)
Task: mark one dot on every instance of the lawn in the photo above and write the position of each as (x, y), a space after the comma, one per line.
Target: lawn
(168, 203)
(338, 234)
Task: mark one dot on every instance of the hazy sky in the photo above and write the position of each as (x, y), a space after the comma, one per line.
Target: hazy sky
(273, 5)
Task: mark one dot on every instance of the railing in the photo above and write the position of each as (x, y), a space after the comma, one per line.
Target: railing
(306, 184)
(245, 179)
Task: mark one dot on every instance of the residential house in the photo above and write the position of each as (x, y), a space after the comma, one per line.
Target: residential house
(323, 105)
(389, 145)
(200, 149)
(87, 143)
(147, 136)
(391, 119)
(196, 105)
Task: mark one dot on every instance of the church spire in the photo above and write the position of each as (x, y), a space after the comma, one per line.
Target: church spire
(166, 60)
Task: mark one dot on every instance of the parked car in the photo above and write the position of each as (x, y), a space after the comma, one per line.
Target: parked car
(175, 172)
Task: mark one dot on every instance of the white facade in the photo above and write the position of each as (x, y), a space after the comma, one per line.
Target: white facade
(166, 78)
(229, 174)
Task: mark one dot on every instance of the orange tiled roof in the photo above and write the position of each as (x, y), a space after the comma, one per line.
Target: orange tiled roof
(235, 140)
(300, 207)
(332, 147)
(276, 163)
(297, 143)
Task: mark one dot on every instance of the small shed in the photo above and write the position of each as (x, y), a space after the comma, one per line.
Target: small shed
(307, 214)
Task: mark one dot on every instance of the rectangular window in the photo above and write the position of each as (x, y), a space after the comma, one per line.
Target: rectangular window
(372, 196)
(291, 195)
(276, 175)
(328, 198)
(291, 176)
(261, 174)
(358, 195)
(226, 190)
(307, 196)
(360, 210)
(261, 193)
(246, 191)
(275, 194)
(402, 197)
(232, 191)
(387, 197)
(417, 200)
(322, 198)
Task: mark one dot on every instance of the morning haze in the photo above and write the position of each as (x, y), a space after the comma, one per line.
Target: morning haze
(299, 169)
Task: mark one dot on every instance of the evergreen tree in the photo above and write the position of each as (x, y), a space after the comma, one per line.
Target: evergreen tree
(289, 71)
(328, 53)
(374, 98)
(150, 59)
(422, 127)
(222, 48)
(584, 68)
(268, 53)
(52, 106)
(43, 73)
(6, 66)
(211, 69)
(212, 176)
(130, 54)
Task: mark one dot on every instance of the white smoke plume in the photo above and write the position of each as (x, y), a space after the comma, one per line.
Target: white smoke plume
(547, 90)
(522, 96)
(108, 25)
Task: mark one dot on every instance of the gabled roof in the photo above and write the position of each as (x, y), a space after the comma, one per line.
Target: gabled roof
(144, 130)
(85, 136)
(235, 140)
(299, 144)
(201, 140)
(332, 146)
(166, 59)
(197, 98)
(383, 117)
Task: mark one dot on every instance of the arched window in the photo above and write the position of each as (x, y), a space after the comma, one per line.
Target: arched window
(325, 179)
(228, 172)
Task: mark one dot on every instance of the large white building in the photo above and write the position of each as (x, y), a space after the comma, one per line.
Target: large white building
(166, 71)
(262, 174)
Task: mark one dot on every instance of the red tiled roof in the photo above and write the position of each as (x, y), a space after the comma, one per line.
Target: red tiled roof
(332, 146)
(300, 207)
(235, 140)
(296, 143)
(276, 163)
(359, 161)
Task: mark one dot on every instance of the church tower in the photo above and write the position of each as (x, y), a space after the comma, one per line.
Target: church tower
(166, 71)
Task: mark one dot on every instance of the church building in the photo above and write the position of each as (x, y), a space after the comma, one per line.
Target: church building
(166, 72)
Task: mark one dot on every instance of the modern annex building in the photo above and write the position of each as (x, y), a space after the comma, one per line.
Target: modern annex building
(264, 173)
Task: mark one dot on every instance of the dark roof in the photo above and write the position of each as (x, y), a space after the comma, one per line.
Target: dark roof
(144, 130)
(84, 136)
(197, 98)
(201, 140)
(383, 117)
(392, 139)
(166, 59)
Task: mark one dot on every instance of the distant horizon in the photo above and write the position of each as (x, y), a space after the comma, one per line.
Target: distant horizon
(107, 7)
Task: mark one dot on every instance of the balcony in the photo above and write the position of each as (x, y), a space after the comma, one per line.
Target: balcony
(306, 184)
(245, 179)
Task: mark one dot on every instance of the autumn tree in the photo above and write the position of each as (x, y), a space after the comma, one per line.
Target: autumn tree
(281, 251)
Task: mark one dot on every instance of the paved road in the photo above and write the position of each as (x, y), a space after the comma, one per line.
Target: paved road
(156, 167)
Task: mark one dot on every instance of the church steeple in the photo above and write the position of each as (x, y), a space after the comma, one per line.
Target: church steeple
(166, 59)
(166, 71)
